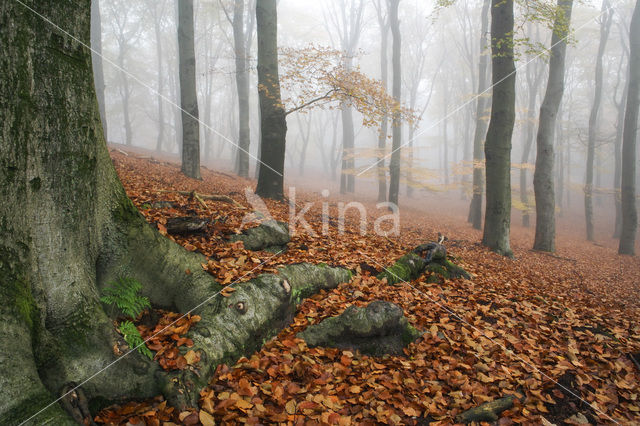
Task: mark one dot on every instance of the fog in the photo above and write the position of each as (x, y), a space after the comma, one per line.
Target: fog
(440, 56)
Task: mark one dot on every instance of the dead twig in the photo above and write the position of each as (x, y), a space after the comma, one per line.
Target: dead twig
(201, 197)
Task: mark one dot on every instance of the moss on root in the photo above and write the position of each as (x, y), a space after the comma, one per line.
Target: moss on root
(411, 266)
(19, 413)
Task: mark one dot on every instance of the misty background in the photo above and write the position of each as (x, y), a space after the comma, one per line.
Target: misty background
(440, 55)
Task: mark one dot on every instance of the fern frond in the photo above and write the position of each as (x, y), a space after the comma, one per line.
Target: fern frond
(124, 294)
(134, 339)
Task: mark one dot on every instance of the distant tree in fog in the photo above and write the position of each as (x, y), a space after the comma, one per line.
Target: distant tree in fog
(188, 94)
(605, 26)
(629, 209)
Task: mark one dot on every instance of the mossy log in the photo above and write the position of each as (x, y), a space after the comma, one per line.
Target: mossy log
(268, 234)
(487, 412)
(430, 257)
(379, 328)
(186, 225)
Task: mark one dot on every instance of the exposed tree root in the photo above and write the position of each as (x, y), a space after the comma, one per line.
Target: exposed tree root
(487, 412)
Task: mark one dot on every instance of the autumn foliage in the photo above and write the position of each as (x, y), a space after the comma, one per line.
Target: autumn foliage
(559, 332)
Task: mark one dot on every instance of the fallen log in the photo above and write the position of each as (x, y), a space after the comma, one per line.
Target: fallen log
(487, 412)
(186, 225)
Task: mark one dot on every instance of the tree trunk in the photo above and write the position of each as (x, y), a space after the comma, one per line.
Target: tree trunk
(242, 84)
(629, 210)
(533, 81)
(497, 148)
(96, 60)
(273, 124)
(347, 177)
(617, 173)
(475, 208)
(68, 229)
(593, 120)
(125, 92)
(159, 59)
(188, 92)
(384, 124)
(394, 164)
(445, 136)
(560, 163)
(543, 176)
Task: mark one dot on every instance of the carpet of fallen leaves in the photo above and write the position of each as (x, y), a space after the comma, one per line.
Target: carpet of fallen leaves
(559, 331)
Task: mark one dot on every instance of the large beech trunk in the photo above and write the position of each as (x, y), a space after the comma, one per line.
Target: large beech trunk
(497, 149)
(545, 239)
(273, 122)
(68, 229)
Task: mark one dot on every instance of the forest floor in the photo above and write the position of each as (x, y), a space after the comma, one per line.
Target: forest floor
(560, 331)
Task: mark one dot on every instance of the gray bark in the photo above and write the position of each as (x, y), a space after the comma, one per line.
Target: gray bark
(273, 125)
(188, 91)
(620, 108)
(242, 85)
(96, 60)
(347, 177)
(497, 148)
(628, 187)
(593, 119)
(475, 208)
(68, 229)
(543, 182)
(383, 23)
(394, 164)
(534, 77)
(159, 60)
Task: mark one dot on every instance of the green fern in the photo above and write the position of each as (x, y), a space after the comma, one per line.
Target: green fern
(133, 338)
(124, 294)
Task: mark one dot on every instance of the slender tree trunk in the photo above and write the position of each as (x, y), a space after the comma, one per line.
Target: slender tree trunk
(394, 165)
(188, 92)
(593, 120)
(475, 209)
(159, 59)
(533, 82)
(560, 163)
(617, 174)
(306, 135)
(629, 209)
(445, 137)
(96, 59)
(384, 125)
(242, 84)
(497, 148)
(125, 92)
(409, 174)
(347, 181)
(273, 124)
(545, 238)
